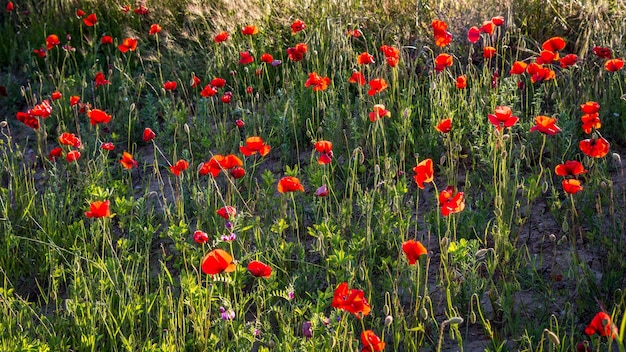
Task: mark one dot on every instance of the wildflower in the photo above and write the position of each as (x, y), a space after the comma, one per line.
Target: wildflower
(249, 90)
(413, 250)
(200, 237)
(570, 168)
(473, 34)
(442, 36)
(379, 112)
(442, 61)
(127, 161)
(90, 20)
(253, 145)
(128, 44)
(614, 65)
(99, 209)
(488, 27)
(602, 325)
(80, 13)
(227, 314)
(148, 134)
(43, 109)
(461, 82)
(142, 10)
(391, 54)
(451, 203)
(74, 99)
(229, 238)
(325, 148)
(489, 52)
(554, 44)
(106, 39)
(28, 119)
(350, 300)
(217, 163)
(154, 29)
(354, 33)
(208, 91)
(100, 80)
(518, 68)
(317, 82)
(289, 184)
(267, 58)
(538, 73)
(217, 261)
(546, 125)
(220, 37)
(297, 26)
(571, 186)
(40, 52)
(259, 269)
(377, 85)
(70, 139)
(239, 123)
(371, 342)
(97, 116)
(180, 166)
(51, 41)
(238, 172)
(72, 156)
(424, 172)
(10, 7)
(170, 85)
(498, 20)
(590, 121)
(250, 30)
(56, 95)
(276, 63)
(444, 126)
(125, 8)
(307, 329)
(357, 77)
(107, 146)
(55, 153)
(602, 52)
(590, 107)
(226, 212)
(218, 82)
(503, 117)
(547, 56)
(365, 58)
(245, 58)
(297, 53)
(594, 147)
(321, 191)
(568, 60)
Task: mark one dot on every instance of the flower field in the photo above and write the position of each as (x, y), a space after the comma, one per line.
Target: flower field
(191, 175)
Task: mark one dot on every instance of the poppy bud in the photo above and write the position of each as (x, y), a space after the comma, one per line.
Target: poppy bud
(239, 123)
(444, 242)
(603, 185)
(472, 317)
(388, 320)
(617, 158)
(424, 313)
(3, 124)
(552, 237)
(454, 321)
(186, 128)
(552, 337)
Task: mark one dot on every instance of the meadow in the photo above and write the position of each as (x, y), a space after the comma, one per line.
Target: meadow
(195, 175)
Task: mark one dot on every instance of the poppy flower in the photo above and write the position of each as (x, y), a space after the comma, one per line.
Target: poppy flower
(200, 237)
(10, 7)
(451, 203)
(97, 116)
(317, 82)
(148, 135)
(377, 85)
(208, 91)
(568, 60)
(358, 78)
(245, 58)
(250, 30)
(226, 212)
(444, 126)
(590, 121)
(56, 95)
(220, 37)
(142, 10)
(546, 125)
(413, 250)
(267, 58)
(570, 168)
(238, 172)
(489, 52)
(602, 52)
(259, 269)
(51, 41)
(538, 73)
(239, 123)
(594, 147)
(614, 65)
(518, 68)
(473, 34)
(40, 52)
(325, 148)
(503, 117)
(354, 33)
(70, 139)
(28, 119)
(218, 82)
(424, 172)
(72, 156)
(554, 44)
(371, 342)
(442, 61)
(296, 55)
(498, 20)
(100, 80)
(253, 145)
(55, 153)
(461, 82)
(43, 109)
(365, 58)
(180, 166)
(195, 81)
(106, 39)
(297, 26)
(107, 146)
(74, 99)
(321, 191)
(390, 52)
(216, 262)
(154, 29)
(488, 27)
(99, 209)
(442, 36)
(547, 56)
(602, 325)
(571, 185)
(125, 8)
(350, 300)
(289, 184)
(80, 13)
(379, 112)
(218, 163)
(127, 161)
(590, 107)
(90, 20)
(170, 85)
(128, 44)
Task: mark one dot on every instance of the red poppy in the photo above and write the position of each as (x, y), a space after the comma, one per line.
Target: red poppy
(106, 39)
(43, 109)
(325, 148)
(444, 126)
(220, 37)
(442, 61)
(518, 68)
(249, 90)
(357, 77)
(128, 44)
(195, 81)
(571, 185)
(321, 191)
(594, 147)
(424, 172)
(200, 237)
(154, 29)
(259, 269)
(80, 13)
(250, 30)
(253, 145)
(267, 58)
(90, 20)
(461, 82)
(371, 342)
(218, 163)
(238, 172)
(297, 26)
(354, 33)
(72, 156)
(40, 52)
(127, 161)
(317, 82)
(602, 52)
(10, 7)
(488, 27)
(142, 10)
(218, 82)
(51, 41)
(547, 56)
(390, 52)
(546, 125)
(289, 184)
(365, 58)
(208, 91)
(148, 135)
(100, 80)
(296, 55)
(28, 119)
(554, 44)
(55, 153)
(56, 95)
(442, 36)
(97, 116)
(216, 262)
(614, 65)
(451, 203)
(590, 107)
(473, 34)
(227, 97)
(489, 52)
(379, 112)
(503, 117)
(125, 8)
(180, 166)
(74, 99)
(413, 250)
(107, 146)
(245, 58)
(498, 20)
(570, 168)
(568, 60)
(70, 139)
(538, 73)
(227, 212)
(351, 300)
(170, 85)
(99, 209)
(377, 85)
(590, 121)
(602, 325)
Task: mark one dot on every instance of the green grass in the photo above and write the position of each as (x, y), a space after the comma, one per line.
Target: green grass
(521, 264)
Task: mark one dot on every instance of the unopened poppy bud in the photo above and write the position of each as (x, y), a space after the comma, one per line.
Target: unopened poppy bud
(481, 253)
(455, 320)
(552, 237)
(472, 317)
(617, 158)
(506, 136)
(246, 69)
(442, 160)
(376, 169)
(444, 242)
(186, 128)
(271, 344)
(3, 124)
(562, 240)
(424, 313)
(552, 337)
(545, 186)
(603, 185)
(388, 320)
(132, 107)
